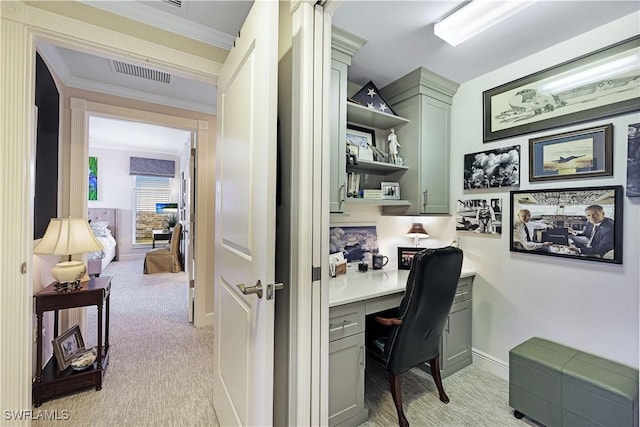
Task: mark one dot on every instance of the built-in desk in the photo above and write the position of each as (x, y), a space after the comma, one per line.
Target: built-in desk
(354, 296)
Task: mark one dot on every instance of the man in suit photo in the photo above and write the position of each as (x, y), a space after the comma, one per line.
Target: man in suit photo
(597, 236)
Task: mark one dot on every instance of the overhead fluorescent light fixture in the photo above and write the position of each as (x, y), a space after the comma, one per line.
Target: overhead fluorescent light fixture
(475, 17)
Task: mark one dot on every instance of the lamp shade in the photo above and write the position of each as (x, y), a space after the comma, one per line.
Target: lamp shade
(417, 231)
(68, 236)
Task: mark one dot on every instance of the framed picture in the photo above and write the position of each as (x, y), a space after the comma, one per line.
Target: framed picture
(67, 346)
(499, 167)
(353, 241)
(390, 190)
(93, 178)
(479, 216)
(601, 84)
(360, 137)
(579, 223)
(633, 160)
(405, 257)
(579, 154)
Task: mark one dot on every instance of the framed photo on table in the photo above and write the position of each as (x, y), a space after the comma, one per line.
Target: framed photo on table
(405, 256)
(600, 84)
(584, 153)
(580, 223)
(67, 346)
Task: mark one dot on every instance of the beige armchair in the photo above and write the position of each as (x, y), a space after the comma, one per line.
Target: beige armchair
(163, 260)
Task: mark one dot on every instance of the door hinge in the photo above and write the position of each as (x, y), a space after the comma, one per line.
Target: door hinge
(316, 273)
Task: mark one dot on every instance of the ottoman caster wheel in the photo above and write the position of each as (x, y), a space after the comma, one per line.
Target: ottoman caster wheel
(519, 415)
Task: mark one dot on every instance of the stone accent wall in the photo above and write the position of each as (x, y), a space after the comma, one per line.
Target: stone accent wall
(146, 222)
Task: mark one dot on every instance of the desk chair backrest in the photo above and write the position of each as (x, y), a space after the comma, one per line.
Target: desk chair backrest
(424, 309)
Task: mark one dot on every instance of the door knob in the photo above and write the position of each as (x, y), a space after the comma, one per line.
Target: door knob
(257, 289)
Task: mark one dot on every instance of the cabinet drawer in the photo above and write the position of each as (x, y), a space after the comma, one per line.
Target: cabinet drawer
(463, 292)
(346, 320)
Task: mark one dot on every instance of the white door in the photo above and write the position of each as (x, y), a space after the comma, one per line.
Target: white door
(245, 222)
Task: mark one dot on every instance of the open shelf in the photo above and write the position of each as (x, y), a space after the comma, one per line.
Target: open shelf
(377, 202)
(379, 168)
(364, 116)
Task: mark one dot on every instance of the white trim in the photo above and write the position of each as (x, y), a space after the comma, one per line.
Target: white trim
(491, 364)
(167, 21)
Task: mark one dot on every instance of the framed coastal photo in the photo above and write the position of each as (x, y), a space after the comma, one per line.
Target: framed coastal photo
(579, 223)
(600, 84)
(584, 153)
(390, 190)
(499, 167)
(67, 346)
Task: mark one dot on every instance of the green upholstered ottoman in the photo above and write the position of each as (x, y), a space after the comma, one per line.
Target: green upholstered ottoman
(535, 379)
(599, 392)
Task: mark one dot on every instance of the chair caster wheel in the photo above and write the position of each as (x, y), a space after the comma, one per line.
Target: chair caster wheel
(519, 415)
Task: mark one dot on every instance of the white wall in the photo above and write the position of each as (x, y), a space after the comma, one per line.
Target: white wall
(115, 190)
(591, 306)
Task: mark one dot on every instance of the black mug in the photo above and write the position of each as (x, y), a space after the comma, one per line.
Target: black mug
(379, 261)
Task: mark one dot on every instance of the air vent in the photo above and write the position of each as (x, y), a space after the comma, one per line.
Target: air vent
(145, 73)
(176, 3)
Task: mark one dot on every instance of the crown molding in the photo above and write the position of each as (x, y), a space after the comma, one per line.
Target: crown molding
(167, 21)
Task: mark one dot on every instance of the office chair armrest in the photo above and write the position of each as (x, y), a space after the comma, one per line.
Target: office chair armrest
(392, 321)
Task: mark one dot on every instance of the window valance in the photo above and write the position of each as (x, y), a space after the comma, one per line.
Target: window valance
(152, 167)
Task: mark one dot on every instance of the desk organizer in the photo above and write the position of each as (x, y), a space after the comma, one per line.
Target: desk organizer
(557, 385)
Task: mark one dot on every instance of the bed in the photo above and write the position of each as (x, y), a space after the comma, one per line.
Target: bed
(104, 223)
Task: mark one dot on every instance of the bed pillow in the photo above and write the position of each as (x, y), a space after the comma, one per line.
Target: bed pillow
(99, 228)
(101, 232)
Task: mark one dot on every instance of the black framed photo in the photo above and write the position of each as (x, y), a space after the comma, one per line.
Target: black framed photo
(499, 167)
(405, 256)
(633, 160)
(362, 138)
(67, 347)
(579, 223)
(583, 153)
(601, 84)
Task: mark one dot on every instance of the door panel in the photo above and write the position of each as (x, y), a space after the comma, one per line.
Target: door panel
(245, 222)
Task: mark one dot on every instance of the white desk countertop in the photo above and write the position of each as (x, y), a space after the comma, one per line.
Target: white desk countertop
(356, 286)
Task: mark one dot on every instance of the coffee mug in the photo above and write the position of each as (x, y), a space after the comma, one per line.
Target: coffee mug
(379, 261)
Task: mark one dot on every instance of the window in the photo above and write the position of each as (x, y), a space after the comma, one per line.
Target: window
(148, 190)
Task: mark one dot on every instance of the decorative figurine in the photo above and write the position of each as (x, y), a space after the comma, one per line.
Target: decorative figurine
(393, 148)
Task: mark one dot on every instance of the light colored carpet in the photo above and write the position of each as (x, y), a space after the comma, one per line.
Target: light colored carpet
(160, 370)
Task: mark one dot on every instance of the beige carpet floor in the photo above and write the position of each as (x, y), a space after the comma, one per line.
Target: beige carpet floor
(161, 371)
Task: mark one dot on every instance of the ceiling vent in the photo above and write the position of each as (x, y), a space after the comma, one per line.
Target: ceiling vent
(142, 72)
(176, 3)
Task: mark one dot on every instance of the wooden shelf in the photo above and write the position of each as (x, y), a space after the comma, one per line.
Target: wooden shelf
(379, 168)
(359, 115)
(377, 202)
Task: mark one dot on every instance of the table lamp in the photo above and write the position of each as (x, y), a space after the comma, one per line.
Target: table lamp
(68, 236)
(418, 232)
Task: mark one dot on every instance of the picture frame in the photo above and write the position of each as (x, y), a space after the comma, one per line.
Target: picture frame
(633, 160)
(494, 168)
(68, 346)
(584, 153)
(390, 190)
(353, 240)
(93, 178)
(363, 139)
(553, 222)
(479, 216)
(405, 256)
(548, 99)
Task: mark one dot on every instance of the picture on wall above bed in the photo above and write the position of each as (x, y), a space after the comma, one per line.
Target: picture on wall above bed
(580, 223)
(480, 216)
(93, 178)
(633, 161)
(499, 167)
(600, 84)
(353, 241)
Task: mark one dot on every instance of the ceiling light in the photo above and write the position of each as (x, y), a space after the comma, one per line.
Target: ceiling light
(476, 17)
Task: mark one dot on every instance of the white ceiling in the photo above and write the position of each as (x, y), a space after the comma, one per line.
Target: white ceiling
(399, 38)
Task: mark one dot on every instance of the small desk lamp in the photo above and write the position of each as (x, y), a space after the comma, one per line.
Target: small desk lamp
(68, 236)
(418, 232)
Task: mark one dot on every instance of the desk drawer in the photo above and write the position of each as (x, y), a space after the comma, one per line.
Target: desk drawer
(346, 320)
(463, 292)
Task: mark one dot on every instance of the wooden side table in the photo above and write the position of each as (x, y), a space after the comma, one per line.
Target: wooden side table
(51, 382)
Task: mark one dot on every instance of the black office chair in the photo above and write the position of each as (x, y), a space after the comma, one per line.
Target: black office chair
(414, 332)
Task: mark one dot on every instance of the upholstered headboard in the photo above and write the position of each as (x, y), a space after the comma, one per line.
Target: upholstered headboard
(111, 216)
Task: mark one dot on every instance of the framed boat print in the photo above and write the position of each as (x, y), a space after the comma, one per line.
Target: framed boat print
(601, 84)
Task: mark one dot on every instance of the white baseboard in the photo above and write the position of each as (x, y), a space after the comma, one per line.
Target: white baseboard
(497, 367)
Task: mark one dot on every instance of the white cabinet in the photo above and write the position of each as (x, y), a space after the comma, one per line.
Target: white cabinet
(425, 99)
